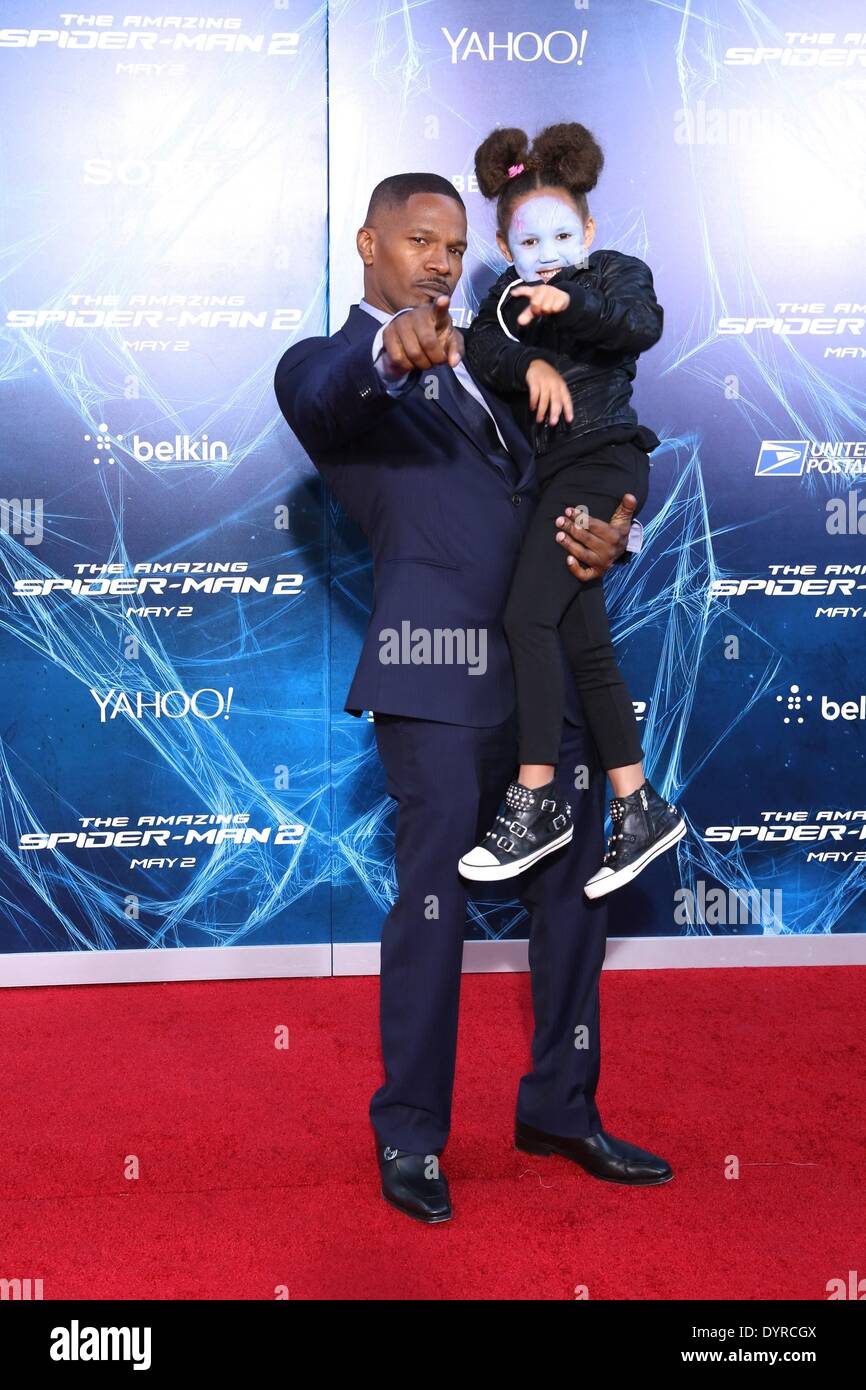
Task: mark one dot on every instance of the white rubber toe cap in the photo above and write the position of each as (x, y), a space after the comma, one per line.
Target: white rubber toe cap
(479, 858)
(601, 876)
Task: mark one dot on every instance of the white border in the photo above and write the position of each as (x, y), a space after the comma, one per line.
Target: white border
(645, 953)
(362, 958)
(136, 967)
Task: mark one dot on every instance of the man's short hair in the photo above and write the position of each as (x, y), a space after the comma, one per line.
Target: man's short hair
(393, 192)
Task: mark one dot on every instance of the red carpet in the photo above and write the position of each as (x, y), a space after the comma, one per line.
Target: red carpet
(257, 1166)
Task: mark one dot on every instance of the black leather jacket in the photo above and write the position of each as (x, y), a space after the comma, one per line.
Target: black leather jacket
(594, 343)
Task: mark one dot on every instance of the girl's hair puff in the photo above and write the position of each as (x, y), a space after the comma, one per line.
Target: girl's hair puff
(565, 155)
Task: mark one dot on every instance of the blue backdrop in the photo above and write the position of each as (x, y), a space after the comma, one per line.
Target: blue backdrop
(181, 605)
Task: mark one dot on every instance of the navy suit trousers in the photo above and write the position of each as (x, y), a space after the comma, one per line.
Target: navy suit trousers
(447, 781)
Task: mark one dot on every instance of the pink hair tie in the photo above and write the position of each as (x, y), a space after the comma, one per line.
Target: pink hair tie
(515, 169)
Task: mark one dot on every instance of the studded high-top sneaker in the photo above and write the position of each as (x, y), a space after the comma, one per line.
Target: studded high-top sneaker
(530, 824)
(644, 826)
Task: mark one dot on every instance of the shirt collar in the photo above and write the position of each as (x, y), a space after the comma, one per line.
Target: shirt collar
(381, 314)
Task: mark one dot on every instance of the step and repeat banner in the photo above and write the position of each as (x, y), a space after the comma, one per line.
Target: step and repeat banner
(181, 604)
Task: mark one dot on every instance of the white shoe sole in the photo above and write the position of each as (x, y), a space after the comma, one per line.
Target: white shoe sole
(493, 873)
(611, 882)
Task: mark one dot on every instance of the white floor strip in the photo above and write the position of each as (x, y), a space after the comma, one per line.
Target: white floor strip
(362, 958)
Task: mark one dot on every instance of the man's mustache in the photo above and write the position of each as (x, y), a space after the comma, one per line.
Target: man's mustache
(440, 286)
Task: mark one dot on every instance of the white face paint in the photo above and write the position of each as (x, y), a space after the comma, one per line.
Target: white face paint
(546, 233)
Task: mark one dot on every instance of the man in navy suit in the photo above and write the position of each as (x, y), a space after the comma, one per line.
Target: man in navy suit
(441, 481)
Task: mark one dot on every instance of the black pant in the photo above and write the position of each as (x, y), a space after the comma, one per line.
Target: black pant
(548, 605)
(447, 782)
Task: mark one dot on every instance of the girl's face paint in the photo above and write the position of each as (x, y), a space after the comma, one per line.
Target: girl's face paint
(546, 233)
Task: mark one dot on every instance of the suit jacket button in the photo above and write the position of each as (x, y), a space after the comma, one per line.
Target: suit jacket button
(517, 499)
(366, 391)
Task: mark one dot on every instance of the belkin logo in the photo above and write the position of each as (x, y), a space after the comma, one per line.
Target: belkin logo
(560, 46)
(181, 449)
(795, 703)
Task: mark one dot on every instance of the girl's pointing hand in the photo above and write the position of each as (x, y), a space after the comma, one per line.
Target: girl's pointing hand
(543, 299)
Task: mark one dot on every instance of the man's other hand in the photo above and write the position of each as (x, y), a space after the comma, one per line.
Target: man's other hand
(424, 337)
(594, 545)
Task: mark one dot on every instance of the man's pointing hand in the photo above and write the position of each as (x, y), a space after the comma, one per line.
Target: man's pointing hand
(424, 337)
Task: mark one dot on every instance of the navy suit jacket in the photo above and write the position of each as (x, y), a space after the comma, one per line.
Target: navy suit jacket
(444, 518)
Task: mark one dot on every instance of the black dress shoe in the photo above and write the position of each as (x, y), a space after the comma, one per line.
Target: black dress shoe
(407, 1187)
(612, 1160)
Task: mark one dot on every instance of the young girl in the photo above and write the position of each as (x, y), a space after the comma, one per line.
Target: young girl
(558, 336)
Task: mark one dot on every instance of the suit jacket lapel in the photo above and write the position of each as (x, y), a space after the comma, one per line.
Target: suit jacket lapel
(359, 325)
(447, 402)
(515, 440)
